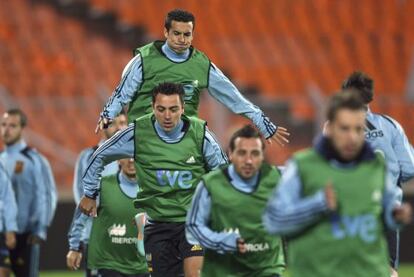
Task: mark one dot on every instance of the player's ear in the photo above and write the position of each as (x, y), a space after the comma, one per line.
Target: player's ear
(165, 32)
(326, 128)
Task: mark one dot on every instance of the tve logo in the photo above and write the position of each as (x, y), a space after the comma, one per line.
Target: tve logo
(362, 226)
(180, 178)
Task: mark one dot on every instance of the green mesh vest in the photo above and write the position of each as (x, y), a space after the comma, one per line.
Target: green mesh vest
(232, 209)
(157, 68)
(113, 236)
(350, 243)
(168, 172)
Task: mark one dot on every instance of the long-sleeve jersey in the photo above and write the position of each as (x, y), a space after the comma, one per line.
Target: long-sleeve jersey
(122, 145)
(80, 167)
(82, 221)
(34, 187)
(8, 206)
(198, 217)
(219, 87)
(387, 136)
(289, 212)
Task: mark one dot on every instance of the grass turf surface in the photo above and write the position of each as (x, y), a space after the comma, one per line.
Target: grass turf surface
(406, 270)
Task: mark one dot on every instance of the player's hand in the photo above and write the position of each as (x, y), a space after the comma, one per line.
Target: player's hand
(241, 246)
(34, 239)
(330, 197)
(403, 214)
(103, 123)
(280, 136)
(88, 206)
(10, 238)
(73, 259)
(394, 273)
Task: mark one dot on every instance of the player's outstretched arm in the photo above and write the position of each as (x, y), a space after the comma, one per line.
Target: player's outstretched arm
(288, 212)
(224, 91)
(123, 93)
(119, 146)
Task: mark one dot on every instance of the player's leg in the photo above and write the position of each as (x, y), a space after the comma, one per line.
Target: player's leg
(161, 253)
(5, 263)
(193, 255)
(393, 241)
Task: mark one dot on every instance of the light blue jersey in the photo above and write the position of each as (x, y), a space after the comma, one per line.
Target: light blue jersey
(8, 206)
(34, 188)
(388, 137)
(219, 87)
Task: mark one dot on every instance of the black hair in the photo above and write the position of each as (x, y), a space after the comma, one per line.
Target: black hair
(178, 15)
(347, 99)
(168, 89)
(361, 82)
(21, 114)
(248, 131)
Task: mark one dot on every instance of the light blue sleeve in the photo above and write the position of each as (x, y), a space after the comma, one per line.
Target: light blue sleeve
(119, 146)
(391, 199)
(10, 206)
(287, 211)
(404, 152)
(197, 229)
(50, 185)
(76, 230)
(42, 205)
(212, 151)
(125, 91)
(80, 166)
(224, 91)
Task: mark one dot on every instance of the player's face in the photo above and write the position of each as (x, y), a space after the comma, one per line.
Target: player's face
(347, 133)
(168, 110)
(179, 36)
(120, 122)
(128, 167)
(11, 129)
(247, 156)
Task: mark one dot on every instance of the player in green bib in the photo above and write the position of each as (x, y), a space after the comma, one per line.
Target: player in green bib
(171, 152)
(175, 60)
(226, 213)
(111, 248)
(332, 198)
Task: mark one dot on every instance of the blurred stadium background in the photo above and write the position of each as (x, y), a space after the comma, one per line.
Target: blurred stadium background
(61, 59)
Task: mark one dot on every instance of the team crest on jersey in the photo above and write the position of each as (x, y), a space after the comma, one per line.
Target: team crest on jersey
(189, 89)
(18, 168)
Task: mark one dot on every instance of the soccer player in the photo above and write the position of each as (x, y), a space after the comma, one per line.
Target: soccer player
(332, 198)
(176, 60)
(119, 123)
(8, 223)
(386, 136)
(171, 152)
(34, 189)
(111, 249)
(226, 213)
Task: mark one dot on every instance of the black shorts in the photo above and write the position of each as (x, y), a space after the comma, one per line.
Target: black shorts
(166, 248)
(25, 257)
(393, 241)
(4, 253)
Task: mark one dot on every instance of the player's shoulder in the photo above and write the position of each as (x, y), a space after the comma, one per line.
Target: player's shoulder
(387, 121)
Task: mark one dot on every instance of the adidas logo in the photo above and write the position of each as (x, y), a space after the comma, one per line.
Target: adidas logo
(117, 230)
(196, 247)
(191, 160)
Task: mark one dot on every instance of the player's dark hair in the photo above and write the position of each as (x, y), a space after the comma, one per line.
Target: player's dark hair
(349, 99)
(179, 16)
(21, 114)
(248, 131)
(168, 89)
(362, 83)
